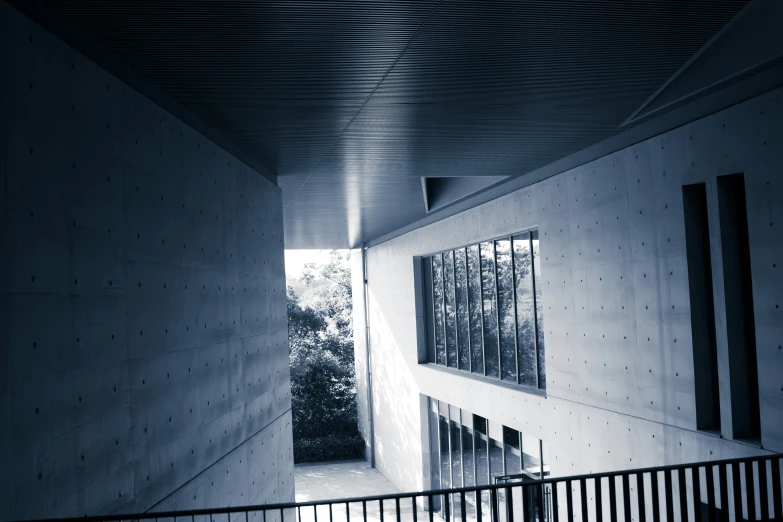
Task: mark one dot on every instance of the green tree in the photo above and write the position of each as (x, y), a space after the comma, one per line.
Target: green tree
(320, 329)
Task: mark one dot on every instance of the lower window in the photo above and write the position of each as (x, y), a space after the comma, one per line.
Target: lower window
(469, 450)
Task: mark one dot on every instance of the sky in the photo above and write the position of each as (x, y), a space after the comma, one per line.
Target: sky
(296, 259)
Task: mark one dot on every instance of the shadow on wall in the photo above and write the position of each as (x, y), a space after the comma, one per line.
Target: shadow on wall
(398, 452)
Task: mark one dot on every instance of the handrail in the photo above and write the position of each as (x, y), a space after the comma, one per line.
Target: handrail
(716, 487)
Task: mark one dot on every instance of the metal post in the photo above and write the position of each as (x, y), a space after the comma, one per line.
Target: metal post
(365, 287)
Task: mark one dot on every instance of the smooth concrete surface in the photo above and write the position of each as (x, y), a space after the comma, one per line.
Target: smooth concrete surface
(144, 354)
(349, 479)
(620, 369)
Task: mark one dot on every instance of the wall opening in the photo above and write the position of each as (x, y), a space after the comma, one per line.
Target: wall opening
(705, 352)
(740, 323)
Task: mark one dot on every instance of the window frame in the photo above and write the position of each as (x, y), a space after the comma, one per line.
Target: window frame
(428, 289)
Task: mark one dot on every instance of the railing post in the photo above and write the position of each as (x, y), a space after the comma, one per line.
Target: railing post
(751, 490)
(627, 496)
(570, 501)
(583, 498)
(493, 501)
(763, 494)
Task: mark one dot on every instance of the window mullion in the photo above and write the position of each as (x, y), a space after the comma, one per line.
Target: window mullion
(535, 306)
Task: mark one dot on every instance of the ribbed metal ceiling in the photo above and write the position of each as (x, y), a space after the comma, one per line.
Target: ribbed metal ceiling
(350, 103)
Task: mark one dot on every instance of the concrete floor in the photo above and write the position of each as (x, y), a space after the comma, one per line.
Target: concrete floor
(335, 480)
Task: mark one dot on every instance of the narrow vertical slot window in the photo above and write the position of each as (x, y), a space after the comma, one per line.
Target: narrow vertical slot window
(705, 351)
(740, 321)
(506, 320)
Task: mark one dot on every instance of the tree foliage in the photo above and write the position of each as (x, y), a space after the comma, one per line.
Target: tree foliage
(320, 330)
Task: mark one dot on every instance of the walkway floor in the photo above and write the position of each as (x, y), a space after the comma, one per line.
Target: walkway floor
(333, 480)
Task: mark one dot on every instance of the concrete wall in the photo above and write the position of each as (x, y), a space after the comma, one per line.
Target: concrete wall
(620, 379)
(144, 354)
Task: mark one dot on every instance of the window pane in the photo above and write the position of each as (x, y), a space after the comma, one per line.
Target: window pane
(467, 456)
(434, 457)
(531, 454)
(539, 312)
(508, 359)
(513, 454)
(456, 453)
(474, 296)
(445, 469)
(489, 309)
(437, 293)
(463, 331)
(525, 318)
(451, 311)
(495, 458)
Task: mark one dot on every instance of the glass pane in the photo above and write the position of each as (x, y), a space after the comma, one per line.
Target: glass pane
(467, 456)
(508, 358)
(495, 458)
(434, 457)
(461, 287)
(451, 311)
(539, 312)
(456, 453)
(531, 455)
(545, 454)
(525, 318)
(474, 297)
(513, 454)
(489, 308)
(437, 299)
(445, 469)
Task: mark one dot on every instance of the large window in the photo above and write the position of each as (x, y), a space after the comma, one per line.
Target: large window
(469, 450)
(484, 310)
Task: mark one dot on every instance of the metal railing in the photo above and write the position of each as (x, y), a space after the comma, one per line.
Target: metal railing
(723, 490)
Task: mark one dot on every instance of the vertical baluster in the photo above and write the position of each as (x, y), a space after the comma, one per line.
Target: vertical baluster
(397, 507)
(347, 513)
(315, 513)
(626, 496)
(667, 484)
(763, 493)
(509, 507)
(331, 518)
(493, 502)
(415, 510)
(776, 500)
(555, 506)
(599, 505)
(683, 490)
(478, 505)
(246, 517)
(282, 515)
(432, 506)
(613, 499)
(583, 498)
(380, 505)
(447, 507)
(640, 497)
(364, 510)
(724, 493)
(750, 484)
(569, 501)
